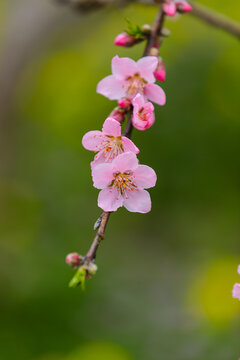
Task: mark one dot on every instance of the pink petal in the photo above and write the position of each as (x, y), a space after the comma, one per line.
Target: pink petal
(110, 199)
(238, 269)
(92, 140)
(138, 201)
(111, 127)
(123, 67)
(155, 93)
(170, 8)
(236, 291)
(111, 87)
(147, 65)
(102, 175)
(128, 145)
(125, 162)
(138, 101)
(99, 158)
(145, 177)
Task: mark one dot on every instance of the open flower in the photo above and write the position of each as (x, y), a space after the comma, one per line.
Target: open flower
(123, 182)
(130, 78)
(236, 287)
(108, 143)
(236, 291)
(143, 113)
(171, 7)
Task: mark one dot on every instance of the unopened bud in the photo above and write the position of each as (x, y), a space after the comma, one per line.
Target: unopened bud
(73, 259)
(118, 114)
(124, 103)
(92, 269)
(146, 29)
(160, 72)
(124, 39)
(183, 7)
(153, 51)
(165, 32)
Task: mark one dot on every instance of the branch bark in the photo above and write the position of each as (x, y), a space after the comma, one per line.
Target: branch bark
(215, 19)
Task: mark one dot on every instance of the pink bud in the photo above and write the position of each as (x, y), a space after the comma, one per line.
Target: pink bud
(160, 72)
(183, 6)
(124, 103)
(118, 114)
(154, 51)
(73, 259)
(125, 39)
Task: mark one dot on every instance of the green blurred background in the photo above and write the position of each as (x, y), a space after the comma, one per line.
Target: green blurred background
(163, 289)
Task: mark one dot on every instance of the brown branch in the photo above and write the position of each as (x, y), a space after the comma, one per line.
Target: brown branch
(205, 14)
(91, 254)
(152, 39)
(215, 19)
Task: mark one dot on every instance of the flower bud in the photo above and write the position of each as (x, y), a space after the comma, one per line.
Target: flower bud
(160, 73)
(154, 51)
(124, 103)
(73, 259)
(118, 114)
(184, 7)
(146, 29)
(124, 39)
(92, 269)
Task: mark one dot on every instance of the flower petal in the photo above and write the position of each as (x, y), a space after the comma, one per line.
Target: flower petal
(125, 162)
(110, 199)
(128, 145)
(111, 87)
(236, 291)
(155, 93)
(92, 140)
(102, 175)
(138, 101)
(145, 177)
(147, 65)
(123, 67)
(238, 269)
(111, 127)
(138, 201)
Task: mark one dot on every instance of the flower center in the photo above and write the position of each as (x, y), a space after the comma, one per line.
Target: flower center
(142, 114)
(135, 85)
(111, 147)
(124, 183)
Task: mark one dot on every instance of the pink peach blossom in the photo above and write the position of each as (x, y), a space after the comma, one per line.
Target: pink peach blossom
(171, 7)
(143, 113)
(124, 39)
(130, 78)
(108, 143)
(160, 73)
(236, 291)
(122, 183)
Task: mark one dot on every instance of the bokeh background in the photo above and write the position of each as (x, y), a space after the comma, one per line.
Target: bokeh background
(163, 289)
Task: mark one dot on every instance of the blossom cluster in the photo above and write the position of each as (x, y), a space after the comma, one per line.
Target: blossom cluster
(115, 168)
(236, 288)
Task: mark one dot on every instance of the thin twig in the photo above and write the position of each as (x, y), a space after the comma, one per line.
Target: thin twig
(218, 20)
(152, 39)
(207, 15)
